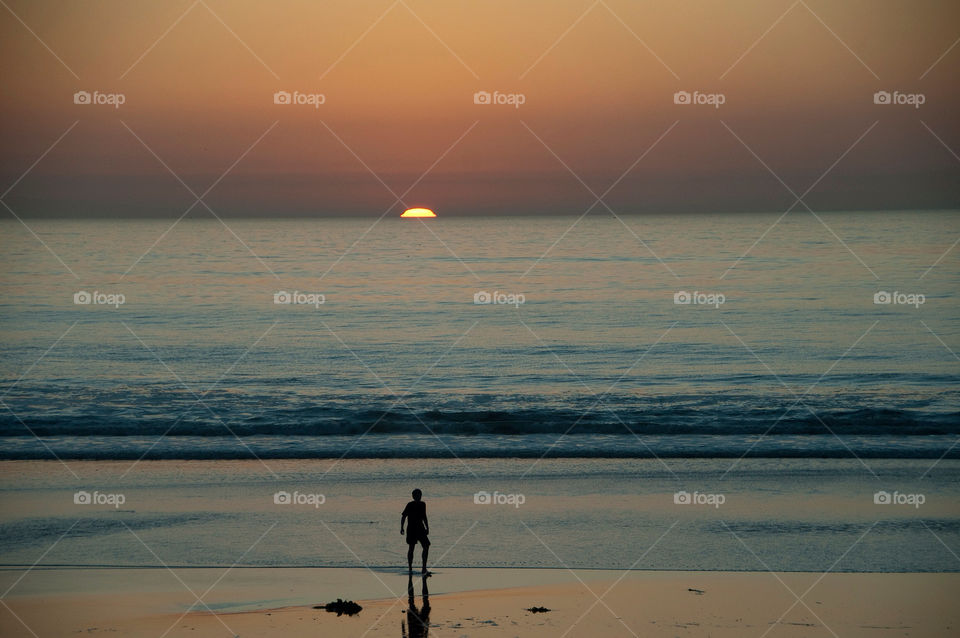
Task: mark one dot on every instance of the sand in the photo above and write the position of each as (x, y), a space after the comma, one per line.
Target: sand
(718, 604)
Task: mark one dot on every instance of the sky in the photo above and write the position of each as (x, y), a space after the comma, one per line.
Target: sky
(589, 113)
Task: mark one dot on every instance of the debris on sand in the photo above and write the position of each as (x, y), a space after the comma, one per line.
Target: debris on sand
(538, 610)
(341, 607)
(698, 592)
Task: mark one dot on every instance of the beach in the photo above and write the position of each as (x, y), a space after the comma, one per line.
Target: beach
(198, 547)
(656, 603)
(650, 514)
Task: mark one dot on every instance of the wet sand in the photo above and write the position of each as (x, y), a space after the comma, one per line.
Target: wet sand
(154, 603)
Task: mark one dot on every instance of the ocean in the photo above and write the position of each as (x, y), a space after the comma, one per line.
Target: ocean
(383, 352)
(796, 368)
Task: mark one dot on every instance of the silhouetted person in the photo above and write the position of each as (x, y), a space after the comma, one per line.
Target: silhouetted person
(418, 621)
(415, 515)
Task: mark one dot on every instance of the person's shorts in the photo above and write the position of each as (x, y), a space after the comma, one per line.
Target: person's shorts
(415, 536)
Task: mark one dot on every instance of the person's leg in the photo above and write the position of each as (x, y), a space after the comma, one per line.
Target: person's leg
(410, 556)
(426, 550)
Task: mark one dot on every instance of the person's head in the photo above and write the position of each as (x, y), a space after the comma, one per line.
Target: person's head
(417, 494)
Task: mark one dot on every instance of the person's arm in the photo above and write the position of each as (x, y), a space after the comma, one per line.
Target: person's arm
(426, 524)
(403, 517)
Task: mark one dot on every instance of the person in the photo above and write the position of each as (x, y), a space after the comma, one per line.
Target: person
(415, 516)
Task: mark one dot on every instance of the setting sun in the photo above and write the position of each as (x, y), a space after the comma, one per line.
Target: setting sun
(418, 212)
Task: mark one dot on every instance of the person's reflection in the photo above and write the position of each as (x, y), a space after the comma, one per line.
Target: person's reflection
(417, 623)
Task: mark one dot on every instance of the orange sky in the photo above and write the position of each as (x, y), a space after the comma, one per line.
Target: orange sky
(199, 93)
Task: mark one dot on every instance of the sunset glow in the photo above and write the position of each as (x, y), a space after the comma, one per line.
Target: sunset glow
(418, 212)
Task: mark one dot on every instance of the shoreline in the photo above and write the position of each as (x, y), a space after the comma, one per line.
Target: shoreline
(212, 513)
(389, 569)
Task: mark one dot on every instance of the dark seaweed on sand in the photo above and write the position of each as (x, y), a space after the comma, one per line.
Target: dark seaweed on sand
(538, 610)
(341, 607)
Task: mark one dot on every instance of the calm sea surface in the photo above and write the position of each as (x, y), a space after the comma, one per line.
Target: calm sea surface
(782, 353)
